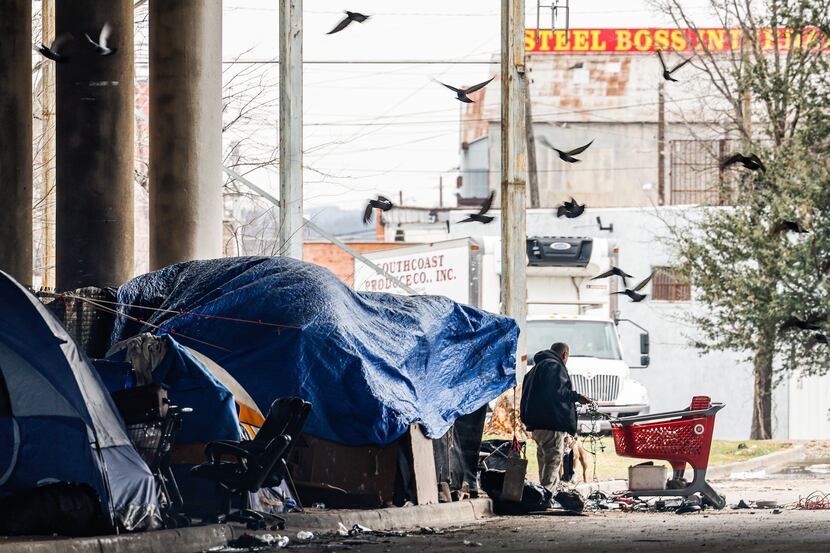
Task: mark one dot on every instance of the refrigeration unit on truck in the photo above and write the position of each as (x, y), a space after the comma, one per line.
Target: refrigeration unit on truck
(564, 305)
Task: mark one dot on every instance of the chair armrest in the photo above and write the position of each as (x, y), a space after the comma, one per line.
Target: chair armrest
(215, 450)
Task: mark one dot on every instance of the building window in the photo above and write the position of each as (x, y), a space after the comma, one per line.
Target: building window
(669, 285)
(695, 174)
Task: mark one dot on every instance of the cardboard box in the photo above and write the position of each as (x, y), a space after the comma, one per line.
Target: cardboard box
(647, 477)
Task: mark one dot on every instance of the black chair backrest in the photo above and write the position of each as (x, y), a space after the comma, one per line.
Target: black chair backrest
(283, 417)
(295, 425)
(260, 465)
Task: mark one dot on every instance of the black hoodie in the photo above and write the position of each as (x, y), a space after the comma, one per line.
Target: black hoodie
(548, 398)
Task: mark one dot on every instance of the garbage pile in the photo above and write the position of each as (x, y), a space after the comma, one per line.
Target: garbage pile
(623, 501)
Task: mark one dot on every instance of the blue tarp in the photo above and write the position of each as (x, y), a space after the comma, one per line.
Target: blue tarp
(371, 363)
(189, 384)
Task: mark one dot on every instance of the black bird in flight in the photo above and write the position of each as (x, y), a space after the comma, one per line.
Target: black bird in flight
(615, 271)
(820, 338)
(668, 72)
(633, 293)
(751, 162)
(53, 52)
(382, 203)
(350, 16)
(566, 156)
(577, 65)
(570, 209)
(810, 323)
(788, 226)
(101, 47)
(461, 93)
(480, 217)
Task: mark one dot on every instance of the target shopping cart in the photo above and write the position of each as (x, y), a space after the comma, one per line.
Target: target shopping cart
(678, 437)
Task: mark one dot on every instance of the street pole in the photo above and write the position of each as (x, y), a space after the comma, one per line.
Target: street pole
(291, 128)
(513, 173)
(532, 174)
(661, 143)
(47, 152)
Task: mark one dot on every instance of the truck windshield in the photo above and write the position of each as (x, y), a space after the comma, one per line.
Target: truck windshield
(584, 338)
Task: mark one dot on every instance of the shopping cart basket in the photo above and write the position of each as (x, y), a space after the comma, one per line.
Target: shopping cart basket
(154, 440)
(678, 437)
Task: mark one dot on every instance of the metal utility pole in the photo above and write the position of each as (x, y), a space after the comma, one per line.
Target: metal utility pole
(47, 152)
(513, 173)
(532, 175)
(16, 139)
(661, 143)
(291, 128)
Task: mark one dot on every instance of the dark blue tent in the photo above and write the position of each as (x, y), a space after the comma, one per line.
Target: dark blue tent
(370, 363)
(57, 421)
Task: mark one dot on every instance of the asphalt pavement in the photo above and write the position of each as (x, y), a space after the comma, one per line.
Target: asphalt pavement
(786, 529)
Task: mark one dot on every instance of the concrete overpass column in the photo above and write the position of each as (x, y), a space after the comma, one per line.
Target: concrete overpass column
(95, 139)
(16, 139)
(185, 130)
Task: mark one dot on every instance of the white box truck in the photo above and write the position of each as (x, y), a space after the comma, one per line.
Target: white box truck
(564, 305)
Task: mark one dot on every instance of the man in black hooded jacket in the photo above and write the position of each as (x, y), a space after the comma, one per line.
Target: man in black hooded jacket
(548, 410)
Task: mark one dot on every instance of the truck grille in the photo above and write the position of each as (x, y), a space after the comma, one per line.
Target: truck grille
(602, 387)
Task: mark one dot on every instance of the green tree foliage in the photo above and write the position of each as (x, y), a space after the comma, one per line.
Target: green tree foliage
(750, 277)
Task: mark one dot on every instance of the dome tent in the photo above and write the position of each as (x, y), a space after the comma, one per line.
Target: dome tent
(57, 421)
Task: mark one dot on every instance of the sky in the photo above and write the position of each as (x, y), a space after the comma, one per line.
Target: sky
(372, 129)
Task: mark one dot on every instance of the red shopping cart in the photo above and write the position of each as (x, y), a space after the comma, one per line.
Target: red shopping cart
(678, 437)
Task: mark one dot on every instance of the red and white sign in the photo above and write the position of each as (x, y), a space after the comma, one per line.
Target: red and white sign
(442, 269)
(650, 39)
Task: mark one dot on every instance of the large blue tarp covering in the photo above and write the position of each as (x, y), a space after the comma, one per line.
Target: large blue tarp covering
(371, 363)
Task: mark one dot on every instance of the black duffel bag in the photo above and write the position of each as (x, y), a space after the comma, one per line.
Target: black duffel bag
(534, 496)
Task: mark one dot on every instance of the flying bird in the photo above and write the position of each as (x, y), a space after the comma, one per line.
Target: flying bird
(480, 217)
(810, 323)
(570, 209)
(461, 93)
(101, 47)
(668, 72)
(53, 52)
(350, 16)
(633, 293)
(566, 156)
(751, 162)
(615, 271)
(382, 203)
(788, 226)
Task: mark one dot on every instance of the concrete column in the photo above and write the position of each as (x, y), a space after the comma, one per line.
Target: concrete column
(16, 139)
(185, 130)
(95, 138)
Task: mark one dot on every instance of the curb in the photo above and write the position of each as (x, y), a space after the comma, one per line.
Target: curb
(768, 462)
(201, 538)
(399, 518)
(182, 540)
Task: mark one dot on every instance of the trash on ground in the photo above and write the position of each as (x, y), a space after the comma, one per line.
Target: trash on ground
(817, 500)
(469, 543)
(303, 535)
(251, 542)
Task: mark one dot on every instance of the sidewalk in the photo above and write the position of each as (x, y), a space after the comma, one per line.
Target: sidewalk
(200, 538)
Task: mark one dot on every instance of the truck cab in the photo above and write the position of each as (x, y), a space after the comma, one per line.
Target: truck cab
(566, 305)
(595, 363)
